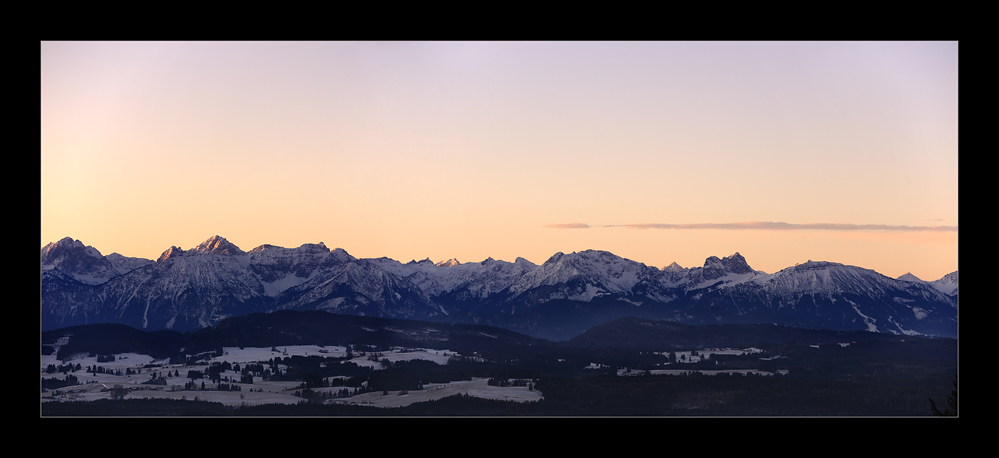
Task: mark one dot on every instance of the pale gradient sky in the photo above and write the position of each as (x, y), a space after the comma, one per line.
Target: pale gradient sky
(441, 150)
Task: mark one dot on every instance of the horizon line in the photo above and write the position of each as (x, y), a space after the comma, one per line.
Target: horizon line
(761, 225)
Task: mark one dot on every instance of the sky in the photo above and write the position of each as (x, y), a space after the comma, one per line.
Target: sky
(658, 152)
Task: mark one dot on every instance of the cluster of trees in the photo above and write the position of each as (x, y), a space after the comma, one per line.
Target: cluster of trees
(193, 386)
(228, 387)
(863, 378)
(167, 374)
(501, 382)
(214, 372)
(62, 368)
(54, 383)
(253, 369)
(314, 396)
(297, 368)
(95, 369)
(118, 392)
(191, 360)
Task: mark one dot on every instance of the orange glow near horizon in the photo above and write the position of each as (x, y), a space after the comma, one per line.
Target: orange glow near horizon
(414, 150)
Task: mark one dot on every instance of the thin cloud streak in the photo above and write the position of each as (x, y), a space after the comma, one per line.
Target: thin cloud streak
(767, 225)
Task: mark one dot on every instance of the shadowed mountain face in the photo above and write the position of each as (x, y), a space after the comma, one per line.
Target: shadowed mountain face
(190, 289)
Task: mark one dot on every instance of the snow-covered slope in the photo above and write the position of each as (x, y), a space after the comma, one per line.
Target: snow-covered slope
(908, 276)
(184, 289)
(280, 268)
(84, 263)
(947, 284)
(581, 276)
(829, 277)
(456, 282)
(818, 292)
(344, 284)
(188, 289)
(724, 272)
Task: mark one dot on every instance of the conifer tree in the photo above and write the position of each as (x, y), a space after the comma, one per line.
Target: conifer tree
(951, 410)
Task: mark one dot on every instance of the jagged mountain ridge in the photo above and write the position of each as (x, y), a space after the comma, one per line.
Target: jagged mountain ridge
(190, 289)
(946, 284)
(85, 263)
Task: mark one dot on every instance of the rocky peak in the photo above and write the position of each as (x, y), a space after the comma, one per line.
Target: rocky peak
(674, 267)
(449, 263)
(950, 278)
(65, 243)
(947, 284)
(716, 268)
(172, 252)
(736, 264)
(218, 245)
(264, 247)
(67, 247)
(305, 248)
(123, 264)
(555, 258)
(523, 261)
(908, 276)
(83, 263)
(340, 255)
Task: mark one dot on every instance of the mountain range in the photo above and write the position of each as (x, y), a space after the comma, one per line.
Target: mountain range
(186, 290)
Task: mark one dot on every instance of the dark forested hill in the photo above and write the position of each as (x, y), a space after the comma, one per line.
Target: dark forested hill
(640, 333)
(286, 328)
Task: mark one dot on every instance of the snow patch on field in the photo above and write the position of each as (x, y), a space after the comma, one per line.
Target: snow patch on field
(96, 386)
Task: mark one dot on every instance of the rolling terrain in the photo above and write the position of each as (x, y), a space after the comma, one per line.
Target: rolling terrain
(317, 363)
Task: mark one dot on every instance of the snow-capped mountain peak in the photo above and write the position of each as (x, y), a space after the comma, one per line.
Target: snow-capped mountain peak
(947, 284)
(172, 252)
(831, 277)
(584, 275)
(727, 271)
(215, 245)
(734, 264)
(908, 276)
(340, 255)
(187, 289)
(674, 267)
(81, 262)
(521, 260)
(218, 245)
(125, 264)
(66, 244)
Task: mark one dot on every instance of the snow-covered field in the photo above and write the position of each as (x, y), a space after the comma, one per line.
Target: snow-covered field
(692, 356)
(702, 372)
(96, 386)
(477, 387)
